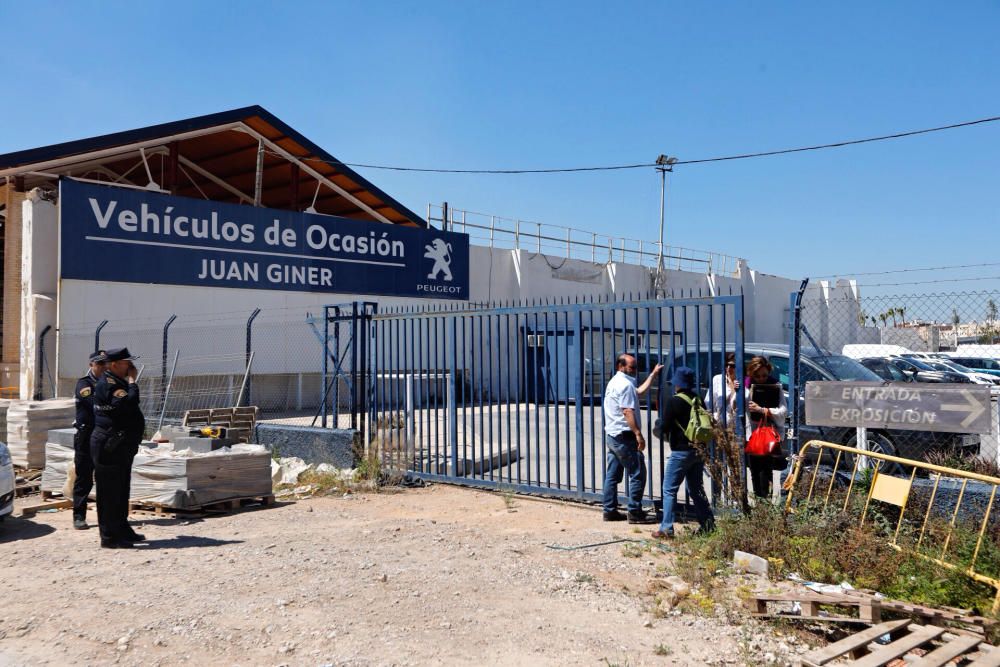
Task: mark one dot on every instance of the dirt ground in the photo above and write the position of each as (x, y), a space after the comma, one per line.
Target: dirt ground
(435, 576)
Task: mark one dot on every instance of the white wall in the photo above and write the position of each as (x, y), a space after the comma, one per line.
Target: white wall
(39, 259)
(210, 319)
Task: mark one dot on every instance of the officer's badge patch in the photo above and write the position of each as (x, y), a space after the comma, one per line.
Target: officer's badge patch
(121, 393)
(85, 392)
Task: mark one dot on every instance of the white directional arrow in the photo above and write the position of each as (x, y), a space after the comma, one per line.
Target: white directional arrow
(973, 407)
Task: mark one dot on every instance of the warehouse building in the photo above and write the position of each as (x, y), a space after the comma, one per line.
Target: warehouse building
(237, 211)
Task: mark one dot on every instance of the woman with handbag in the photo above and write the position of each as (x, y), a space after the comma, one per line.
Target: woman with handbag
(765, 425)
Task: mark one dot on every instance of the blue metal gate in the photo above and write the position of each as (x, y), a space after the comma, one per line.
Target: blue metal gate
(510, 396)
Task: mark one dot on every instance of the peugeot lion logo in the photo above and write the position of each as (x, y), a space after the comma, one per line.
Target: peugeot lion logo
(440, 252)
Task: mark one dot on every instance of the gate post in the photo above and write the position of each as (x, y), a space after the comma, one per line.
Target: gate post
(794, 354)
(97, 335)
(578, 329)
(249, 350)
(741, 409)
(452, 395)
(163, 366)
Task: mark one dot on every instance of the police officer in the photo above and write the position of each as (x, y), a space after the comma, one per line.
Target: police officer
(84, 424)
(118, 430)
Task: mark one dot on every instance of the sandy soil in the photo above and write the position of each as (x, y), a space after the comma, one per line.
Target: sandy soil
(441, 575)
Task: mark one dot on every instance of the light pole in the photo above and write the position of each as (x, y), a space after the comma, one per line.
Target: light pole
(663, 165)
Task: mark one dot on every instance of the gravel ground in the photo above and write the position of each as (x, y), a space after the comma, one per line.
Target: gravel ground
(441, 575)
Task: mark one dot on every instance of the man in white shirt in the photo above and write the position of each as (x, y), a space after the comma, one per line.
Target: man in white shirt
(624, 440)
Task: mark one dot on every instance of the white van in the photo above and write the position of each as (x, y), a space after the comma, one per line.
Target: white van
(865, 350)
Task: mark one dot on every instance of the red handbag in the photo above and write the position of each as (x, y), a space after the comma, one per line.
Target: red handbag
(764, 440)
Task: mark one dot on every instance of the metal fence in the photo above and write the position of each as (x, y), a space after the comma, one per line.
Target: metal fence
(940, 514)
(494, 231)
(510, 396)
(944, 337)
(272, 359)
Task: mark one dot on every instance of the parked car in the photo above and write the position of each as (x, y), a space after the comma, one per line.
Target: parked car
(947, 365)
(7, 481)
(924, 355)
(979, 364)
(885, 369)
(921, 372)
(823, 365)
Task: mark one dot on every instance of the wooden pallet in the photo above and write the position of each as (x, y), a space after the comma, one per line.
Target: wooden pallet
(220, 507)
(928, 646)
(26, 489)
(868, 609)
(31, 510)
(933, 615)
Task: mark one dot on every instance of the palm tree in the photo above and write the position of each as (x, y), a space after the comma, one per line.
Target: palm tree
(991, 311)
(954, 324)
(892, 313)
(902, 314)
(883, 317)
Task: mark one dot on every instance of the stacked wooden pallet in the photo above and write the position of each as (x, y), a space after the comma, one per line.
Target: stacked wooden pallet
(239, 422)
(28, 425)
(858, 606)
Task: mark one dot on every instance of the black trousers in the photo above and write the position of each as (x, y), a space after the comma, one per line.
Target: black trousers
(84, 464)
(761, 474)
(113, 472)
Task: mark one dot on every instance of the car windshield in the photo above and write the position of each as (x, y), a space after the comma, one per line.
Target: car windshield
(845, 368)
(918, 364)
(947, 366)
(956, 367)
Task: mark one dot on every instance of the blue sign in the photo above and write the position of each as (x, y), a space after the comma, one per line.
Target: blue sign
(124, 235)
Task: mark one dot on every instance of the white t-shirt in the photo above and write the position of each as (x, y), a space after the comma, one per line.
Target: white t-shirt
(618, 395)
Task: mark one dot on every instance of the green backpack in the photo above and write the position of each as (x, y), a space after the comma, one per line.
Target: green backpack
(699, 426)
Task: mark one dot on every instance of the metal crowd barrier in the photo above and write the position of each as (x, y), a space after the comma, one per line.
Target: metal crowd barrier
(898, 491)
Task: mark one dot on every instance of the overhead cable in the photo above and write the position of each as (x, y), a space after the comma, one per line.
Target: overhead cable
(644, 165)
(929, 268)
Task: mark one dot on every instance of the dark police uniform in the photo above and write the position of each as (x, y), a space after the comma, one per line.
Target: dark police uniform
(118, 430)
(82, 460)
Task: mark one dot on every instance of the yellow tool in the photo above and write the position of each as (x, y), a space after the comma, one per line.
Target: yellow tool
(211, 431)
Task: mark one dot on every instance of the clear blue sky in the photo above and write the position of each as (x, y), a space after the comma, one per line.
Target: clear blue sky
(551, 84)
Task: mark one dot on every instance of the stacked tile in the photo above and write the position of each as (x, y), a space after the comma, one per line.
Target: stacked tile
(4, 404)
(185, 479)
(28, 425)
(58, 459)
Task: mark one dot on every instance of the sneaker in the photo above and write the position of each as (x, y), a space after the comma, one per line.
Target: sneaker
(614, 515)
(80, 524)
(640, 517)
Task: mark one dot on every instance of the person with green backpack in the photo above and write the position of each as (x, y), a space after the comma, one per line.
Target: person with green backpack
(684, 419)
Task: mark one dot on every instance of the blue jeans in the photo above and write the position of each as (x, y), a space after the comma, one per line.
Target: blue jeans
(685, 466)
(624, 456)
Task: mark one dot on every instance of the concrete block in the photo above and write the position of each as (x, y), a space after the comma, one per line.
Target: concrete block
(309, 443)
(750, 563)
(478, 466)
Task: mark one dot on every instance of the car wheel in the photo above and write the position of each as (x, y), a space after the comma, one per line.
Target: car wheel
(879, 443)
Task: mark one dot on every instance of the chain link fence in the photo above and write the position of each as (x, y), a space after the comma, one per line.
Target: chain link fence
(271, 359)
(949, 337)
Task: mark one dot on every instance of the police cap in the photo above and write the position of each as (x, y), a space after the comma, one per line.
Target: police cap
(98, 357)
(120, 354)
